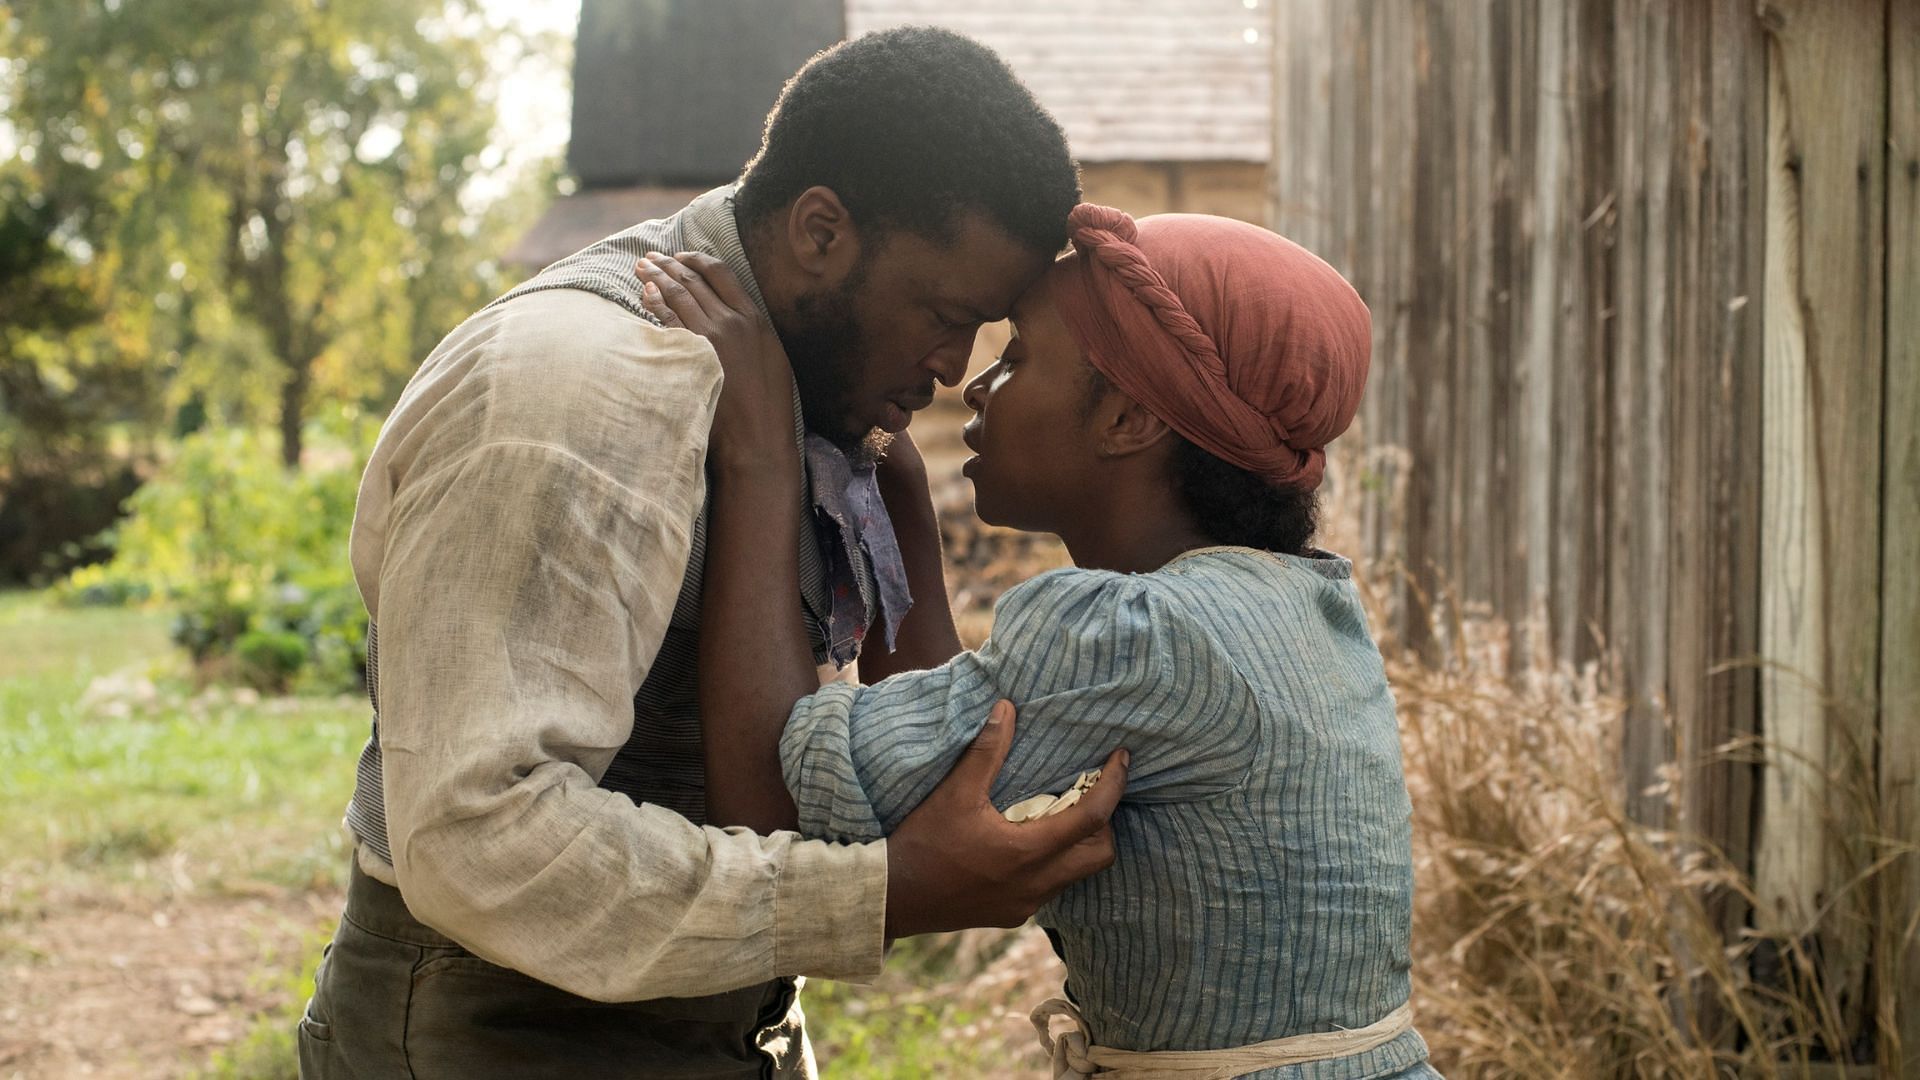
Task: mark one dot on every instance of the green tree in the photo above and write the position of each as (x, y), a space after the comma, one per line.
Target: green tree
(238, 181)
(66, 395)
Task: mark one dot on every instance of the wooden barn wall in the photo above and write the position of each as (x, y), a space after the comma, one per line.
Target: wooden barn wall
(1645, 279)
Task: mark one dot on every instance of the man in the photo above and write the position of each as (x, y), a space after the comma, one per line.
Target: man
(532, 891)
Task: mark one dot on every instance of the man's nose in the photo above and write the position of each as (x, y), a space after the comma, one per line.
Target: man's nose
(949, 362)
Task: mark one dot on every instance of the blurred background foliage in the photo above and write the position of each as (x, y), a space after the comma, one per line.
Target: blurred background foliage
(249, 557)
(229, 229)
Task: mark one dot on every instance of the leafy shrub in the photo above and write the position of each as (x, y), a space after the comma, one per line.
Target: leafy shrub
(244, 551)
(269, 659)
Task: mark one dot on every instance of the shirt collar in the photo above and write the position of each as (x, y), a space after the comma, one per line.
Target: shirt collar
(709, 225)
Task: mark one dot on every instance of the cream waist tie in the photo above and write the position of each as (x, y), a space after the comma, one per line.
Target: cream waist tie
(1063, 1033)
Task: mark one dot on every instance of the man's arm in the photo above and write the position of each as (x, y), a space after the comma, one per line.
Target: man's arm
(537, 535)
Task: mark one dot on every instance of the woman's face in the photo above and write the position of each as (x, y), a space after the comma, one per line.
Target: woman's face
(1034, 457)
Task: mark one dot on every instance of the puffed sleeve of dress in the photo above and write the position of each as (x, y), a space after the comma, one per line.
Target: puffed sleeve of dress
(1093, 660)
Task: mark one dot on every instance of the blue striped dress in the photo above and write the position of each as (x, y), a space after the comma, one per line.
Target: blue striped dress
(1264, 882)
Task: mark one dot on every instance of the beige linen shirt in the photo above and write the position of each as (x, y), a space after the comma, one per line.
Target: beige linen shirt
(520, 539)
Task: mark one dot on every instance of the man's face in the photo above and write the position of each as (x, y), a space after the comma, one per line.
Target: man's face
(867, 351)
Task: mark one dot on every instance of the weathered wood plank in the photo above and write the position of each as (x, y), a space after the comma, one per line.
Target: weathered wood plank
(1637, 579)
(1344, 79)
(1899, 966)
(1390, 261)
(1539, 325)
(1300, 121)
(1581, 625)
(1720, 794)
(1690, 381)
(1820, 616)
(1479, 366)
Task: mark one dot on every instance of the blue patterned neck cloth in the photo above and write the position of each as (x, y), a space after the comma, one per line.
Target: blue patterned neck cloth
(847, 501)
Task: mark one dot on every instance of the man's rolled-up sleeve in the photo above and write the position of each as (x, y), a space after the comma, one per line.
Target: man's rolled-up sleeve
(532, 555)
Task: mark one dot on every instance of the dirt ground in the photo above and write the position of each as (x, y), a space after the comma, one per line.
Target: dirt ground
(109, 987)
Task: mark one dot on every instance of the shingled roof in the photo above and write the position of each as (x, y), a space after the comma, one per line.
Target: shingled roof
(1129, 80)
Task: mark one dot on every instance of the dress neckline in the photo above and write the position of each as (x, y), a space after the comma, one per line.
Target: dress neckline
(1220, 549)
(1324, 563)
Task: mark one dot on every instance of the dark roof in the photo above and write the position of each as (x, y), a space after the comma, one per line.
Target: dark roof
(676, 91)
(1129, 80)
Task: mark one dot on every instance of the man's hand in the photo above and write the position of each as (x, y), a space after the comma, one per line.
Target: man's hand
(956, 862)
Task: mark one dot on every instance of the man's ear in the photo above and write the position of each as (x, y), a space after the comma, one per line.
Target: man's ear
(1128, 427)
(822, 237)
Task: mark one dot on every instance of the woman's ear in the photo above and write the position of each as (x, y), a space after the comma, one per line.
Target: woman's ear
(1128, 427)
(821, 236)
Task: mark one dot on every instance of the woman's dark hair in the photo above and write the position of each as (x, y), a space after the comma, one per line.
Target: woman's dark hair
(1234, 507)
(1242, 509)
(911, 127)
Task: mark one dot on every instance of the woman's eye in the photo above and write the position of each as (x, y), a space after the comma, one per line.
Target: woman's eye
(999, 373)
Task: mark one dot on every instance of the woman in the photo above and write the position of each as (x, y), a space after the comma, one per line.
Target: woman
(1163, 407)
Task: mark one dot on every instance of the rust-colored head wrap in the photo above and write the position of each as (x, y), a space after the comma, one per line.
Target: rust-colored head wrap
(1242, 341)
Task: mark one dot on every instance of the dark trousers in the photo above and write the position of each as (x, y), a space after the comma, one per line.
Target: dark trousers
(395, 999)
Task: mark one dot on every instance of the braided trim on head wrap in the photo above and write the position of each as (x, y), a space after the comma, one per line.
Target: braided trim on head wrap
(1107, 235)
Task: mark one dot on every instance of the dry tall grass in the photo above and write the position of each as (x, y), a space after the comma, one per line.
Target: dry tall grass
(1557, 937)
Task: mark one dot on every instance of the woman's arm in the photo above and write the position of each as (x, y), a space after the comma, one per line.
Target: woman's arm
(754, 658)
(1094, 659)
(926, 638)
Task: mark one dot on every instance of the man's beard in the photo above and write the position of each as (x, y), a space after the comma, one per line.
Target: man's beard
(824, 344)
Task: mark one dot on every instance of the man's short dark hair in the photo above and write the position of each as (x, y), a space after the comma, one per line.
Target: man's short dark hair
(911, 128)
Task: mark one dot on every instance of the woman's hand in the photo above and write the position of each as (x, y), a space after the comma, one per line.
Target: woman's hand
(753, 426)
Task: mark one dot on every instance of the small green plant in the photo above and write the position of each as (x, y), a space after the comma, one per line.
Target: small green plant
(267, 660)
(243, 551)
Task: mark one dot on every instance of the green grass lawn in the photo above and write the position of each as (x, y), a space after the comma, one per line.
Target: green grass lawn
(122, 778)
(111, 762)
